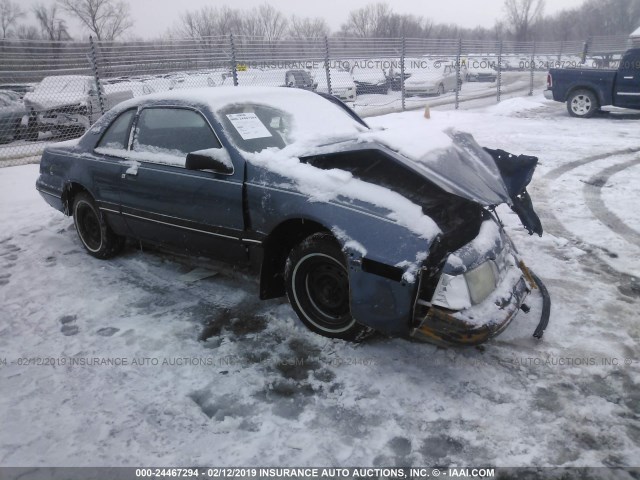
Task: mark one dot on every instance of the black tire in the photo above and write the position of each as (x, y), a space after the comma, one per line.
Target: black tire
(31, 133)
(95, 235)
(317, 283)
(582, 104)
(19, 131)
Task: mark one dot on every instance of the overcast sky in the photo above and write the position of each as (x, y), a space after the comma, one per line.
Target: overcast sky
(154, 17)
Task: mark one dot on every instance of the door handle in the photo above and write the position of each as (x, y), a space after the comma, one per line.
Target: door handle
(130, 173)
(629, 78)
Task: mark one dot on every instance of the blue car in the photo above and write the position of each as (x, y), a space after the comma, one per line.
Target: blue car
(361, 232)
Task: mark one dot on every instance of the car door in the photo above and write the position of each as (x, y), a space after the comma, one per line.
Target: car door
(627, 89)
(197, 211)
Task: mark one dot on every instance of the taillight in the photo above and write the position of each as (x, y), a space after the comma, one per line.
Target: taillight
(549, 81)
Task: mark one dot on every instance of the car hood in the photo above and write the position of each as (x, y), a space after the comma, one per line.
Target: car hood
(414, 80)
(458, 165)
(47, 101)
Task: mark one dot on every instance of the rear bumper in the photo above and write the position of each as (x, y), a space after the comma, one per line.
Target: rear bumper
(421, 90)
(471, 326)
(548, 94)
(50, 195)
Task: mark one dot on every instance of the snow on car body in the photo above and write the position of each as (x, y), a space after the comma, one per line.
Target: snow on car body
(342, 84)
(362, 229)
(432, 79)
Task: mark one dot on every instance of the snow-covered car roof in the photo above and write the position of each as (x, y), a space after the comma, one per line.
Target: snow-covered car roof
(313, 117)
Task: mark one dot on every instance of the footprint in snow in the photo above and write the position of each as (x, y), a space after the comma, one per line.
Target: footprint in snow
(107, 331)
(69, 326)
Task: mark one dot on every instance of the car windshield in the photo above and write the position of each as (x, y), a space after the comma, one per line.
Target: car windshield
(63, 84)
(311, 121)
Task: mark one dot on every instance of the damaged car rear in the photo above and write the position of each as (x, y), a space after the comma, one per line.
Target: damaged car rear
(362, 229)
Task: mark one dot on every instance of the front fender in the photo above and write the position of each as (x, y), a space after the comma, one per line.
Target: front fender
(383, 257)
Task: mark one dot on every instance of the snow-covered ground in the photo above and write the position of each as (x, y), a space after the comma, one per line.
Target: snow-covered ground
(206, 374)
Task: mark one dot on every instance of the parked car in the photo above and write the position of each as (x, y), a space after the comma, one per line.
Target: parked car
(358, 235)
(273, 78)
(134, 87)
(66, 104)
(432, 82)
(19, 88)
(300, 79)
(586, 90)
(369, 80)
(480, 70)
(11, 112)
(342, 84)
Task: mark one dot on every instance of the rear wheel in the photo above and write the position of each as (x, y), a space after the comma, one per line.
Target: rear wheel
(582, 104)
(318, 288)
(31, 132)
(18, 130)
(96, 236)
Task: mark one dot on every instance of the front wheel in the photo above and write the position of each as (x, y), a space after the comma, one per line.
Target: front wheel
(582, 104)
(318, 288)
(96, 236)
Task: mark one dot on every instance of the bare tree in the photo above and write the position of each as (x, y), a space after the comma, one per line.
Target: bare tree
(229, 21)
(498, 30)
(251, 25)
(367, 21)
(273, 22)
(303, 28)
(209, 22)
(106, 19)
(521, 15)
(10, 12)
(27, 32)
(52, 26)
(197, 24)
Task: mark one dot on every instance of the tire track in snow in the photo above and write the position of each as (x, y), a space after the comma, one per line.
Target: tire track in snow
(592, 192)
(555, 227)
(551, 223)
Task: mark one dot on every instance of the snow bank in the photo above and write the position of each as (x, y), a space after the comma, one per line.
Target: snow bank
(518, 104)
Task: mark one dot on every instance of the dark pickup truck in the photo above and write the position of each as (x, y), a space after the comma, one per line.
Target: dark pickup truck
(586, 90)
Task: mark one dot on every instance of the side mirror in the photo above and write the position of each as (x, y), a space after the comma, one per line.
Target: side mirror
(215, 159)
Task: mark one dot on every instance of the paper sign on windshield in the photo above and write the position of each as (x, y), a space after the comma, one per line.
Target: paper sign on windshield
(248, 125)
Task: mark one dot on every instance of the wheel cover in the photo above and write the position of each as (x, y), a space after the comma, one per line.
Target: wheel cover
(320, 286)
(581, 104)
(88, 226)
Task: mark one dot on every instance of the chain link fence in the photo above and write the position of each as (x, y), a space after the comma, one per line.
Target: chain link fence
(53, 91)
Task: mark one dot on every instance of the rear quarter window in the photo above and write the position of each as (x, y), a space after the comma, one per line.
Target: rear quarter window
(116, 136)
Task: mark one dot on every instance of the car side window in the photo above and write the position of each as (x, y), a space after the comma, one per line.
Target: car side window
(116, 137)
(167, 135)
